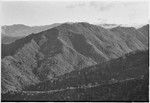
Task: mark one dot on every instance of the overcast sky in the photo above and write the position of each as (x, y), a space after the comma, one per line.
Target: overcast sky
(48, 12)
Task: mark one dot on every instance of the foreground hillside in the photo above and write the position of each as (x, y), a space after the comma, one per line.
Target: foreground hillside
(132, 65)
(122, 79)
(54, 52)
(129, 90)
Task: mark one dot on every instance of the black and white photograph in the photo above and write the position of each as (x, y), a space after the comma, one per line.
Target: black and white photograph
(74, 50)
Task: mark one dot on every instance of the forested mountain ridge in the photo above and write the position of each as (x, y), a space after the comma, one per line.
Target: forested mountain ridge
(54, 52)
(122, 79)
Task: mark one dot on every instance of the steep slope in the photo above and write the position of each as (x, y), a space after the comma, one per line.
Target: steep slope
(145, 30)
(132, 37)
(130, 66)
(60, 50)
(42, 56)
(107, 42)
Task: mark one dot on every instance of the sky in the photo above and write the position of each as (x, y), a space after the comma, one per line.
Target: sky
(48, 12)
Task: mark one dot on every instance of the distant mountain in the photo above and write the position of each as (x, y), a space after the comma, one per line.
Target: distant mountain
(43, 56)
(9, 39)
(17, 31)
(107, 26)
(23, 30)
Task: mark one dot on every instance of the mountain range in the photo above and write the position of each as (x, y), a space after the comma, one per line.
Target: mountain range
(60, 51)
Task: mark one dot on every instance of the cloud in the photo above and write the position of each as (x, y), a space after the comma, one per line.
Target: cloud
(101, 20)
(101, 6)
(98, 5)
(70, 6)
(77, 4)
